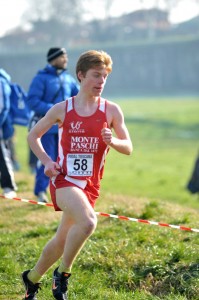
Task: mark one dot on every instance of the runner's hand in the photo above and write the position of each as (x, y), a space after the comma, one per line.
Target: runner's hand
(52, 169)
(106, 134)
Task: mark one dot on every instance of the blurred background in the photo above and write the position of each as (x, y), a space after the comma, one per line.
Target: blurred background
(154, 44)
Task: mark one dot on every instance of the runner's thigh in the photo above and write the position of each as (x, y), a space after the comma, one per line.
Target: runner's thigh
(73, 202)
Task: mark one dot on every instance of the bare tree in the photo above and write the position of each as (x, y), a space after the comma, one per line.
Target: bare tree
(107, 6)
(68, 12)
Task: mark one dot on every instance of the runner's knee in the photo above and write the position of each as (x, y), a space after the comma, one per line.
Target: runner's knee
(89, 225)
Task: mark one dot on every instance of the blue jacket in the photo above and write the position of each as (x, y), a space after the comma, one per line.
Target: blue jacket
(6, 126)
(49, 87)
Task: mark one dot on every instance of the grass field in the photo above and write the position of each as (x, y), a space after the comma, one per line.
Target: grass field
(122, 260)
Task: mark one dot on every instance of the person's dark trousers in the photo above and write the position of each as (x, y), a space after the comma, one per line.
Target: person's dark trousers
(193, 183)
(32, 161)
(50, 144)
(6, 168)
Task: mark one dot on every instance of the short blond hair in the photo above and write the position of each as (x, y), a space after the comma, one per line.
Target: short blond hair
(93, 59)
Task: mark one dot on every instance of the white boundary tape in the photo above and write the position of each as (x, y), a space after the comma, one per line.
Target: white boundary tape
(124, 218)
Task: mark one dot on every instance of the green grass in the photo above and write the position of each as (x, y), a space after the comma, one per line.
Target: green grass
(122, 260)
(165, 135)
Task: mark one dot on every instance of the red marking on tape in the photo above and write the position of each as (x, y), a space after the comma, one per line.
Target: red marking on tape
(143, 221)
(104, 214)
(185, 228)
(123, 218)
(164, 224)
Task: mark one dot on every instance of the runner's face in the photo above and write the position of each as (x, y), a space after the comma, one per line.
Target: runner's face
(94, 81)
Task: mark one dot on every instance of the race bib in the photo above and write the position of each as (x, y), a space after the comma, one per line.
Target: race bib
(80, 164)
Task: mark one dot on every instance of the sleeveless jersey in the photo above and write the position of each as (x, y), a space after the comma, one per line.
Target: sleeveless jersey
(82, 152)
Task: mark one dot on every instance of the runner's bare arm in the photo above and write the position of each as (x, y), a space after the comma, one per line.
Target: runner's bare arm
(122, 141)
(54, 116)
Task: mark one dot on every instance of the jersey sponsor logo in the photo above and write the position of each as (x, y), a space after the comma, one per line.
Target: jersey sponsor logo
(84, 144)
(76, 127)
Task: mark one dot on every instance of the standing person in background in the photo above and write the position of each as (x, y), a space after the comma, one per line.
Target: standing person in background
(85, 124)
(193, 183)
(7, 179)
(51, 85)
(11, 145)
(20, 115)
(32, 161)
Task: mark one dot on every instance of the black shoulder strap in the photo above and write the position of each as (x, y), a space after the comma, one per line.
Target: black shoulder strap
(57, 92)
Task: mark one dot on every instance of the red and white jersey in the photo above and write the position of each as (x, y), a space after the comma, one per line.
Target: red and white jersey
(82, 151)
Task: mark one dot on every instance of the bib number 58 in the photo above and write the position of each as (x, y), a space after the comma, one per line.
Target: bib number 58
(80, 164)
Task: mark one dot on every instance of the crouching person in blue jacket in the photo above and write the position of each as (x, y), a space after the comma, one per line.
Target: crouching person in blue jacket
(50, 85)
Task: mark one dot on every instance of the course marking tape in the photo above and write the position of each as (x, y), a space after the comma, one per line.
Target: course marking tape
(124, 218)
